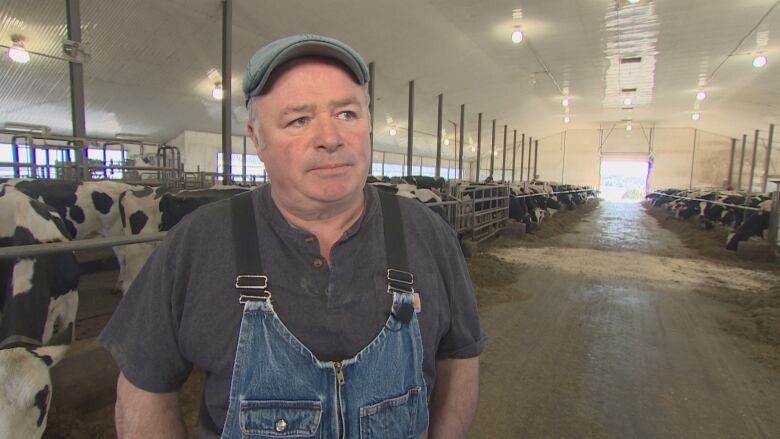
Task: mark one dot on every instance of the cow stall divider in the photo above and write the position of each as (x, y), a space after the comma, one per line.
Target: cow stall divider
(26, 251)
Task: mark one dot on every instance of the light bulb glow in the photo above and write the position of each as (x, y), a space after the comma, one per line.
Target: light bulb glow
(517, 36)
(633, 2)
(18, 54)
(760, 61)
(393, 131)
(627, 101)
(696, 116)
(473, 149)
(629, 127)
(446, 141)
(218, 93)
(700, 96)
(565, 102)
(566, 119)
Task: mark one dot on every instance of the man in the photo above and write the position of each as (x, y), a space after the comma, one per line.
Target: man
(317, 306)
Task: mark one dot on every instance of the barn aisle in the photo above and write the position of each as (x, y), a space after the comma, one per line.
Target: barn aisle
(603, 334)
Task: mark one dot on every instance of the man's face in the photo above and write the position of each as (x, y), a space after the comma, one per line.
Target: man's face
(314, 122)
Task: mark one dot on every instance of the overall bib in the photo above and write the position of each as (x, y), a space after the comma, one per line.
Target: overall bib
(279, 389)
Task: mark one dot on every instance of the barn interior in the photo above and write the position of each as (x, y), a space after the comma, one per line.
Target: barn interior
(622, 316)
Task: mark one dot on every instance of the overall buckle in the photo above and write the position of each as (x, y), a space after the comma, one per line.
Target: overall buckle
(399, 281)
(253, 287)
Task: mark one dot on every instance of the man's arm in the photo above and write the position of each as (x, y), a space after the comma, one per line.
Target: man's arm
(147, 415)
(454, 398)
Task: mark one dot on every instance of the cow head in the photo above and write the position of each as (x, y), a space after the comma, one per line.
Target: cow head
(26, 389)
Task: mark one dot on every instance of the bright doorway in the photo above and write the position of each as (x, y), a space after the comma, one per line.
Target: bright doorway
(624, 180)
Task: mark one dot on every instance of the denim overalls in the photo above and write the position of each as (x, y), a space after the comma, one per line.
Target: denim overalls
(279, 389)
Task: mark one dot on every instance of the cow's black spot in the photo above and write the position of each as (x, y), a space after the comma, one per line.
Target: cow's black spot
(159, 192)
(137, 222)
(142, 192)
(2, 191)
(77, 214)
(102, 201)
(40, 209)
(47, 360)
(122, 210)
(41, 403)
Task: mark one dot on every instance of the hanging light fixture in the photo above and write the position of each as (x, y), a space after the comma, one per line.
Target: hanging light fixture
(17, 52)
(760, 61)
(701, 95)
(627, 101)
(696, 116)
(446, 142)
(218, 93)
(393, 131)
(629, 126)
(517, 35)
(566, 119)
(565, 102)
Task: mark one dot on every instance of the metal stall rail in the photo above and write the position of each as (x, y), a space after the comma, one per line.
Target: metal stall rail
(482, 212)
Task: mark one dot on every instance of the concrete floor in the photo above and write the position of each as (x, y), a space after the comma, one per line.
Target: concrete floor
(604, 336)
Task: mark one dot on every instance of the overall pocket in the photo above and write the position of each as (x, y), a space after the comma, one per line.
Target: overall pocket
(275, 419)
(392, 418)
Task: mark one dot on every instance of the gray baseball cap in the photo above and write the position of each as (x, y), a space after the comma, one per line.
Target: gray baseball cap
(268, 58)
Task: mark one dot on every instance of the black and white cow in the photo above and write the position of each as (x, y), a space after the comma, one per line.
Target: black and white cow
(89, 209)
(39, 303)
(149, 210)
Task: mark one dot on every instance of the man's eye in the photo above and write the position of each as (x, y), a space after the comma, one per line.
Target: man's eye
(298, 122)
(348, 115)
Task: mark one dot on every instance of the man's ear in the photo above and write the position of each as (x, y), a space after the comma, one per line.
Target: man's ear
(253, 135)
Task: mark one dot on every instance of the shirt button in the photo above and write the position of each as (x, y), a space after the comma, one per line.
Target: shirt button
(317, 263)
(308, 239)
(281, 425)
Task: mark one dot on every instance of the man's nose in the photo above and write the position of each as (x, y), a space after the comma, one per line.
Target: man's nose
(327, 134)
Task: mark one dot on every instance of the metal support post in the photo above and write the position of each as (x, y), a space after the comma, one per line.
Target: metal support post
(243, 164)
(438, 135)
(514, 154)
(731, 162)
(768, 157)
(753, 164)
(522, 157)
(76, 70)
(227, 59)
(410, 138)
(479, 144)
(528, 171)
(536, 157)
(372, 80)
(563, 159)
(503, 159)
(693, 157)
(741, 162)
(492, 148)
(460, 154)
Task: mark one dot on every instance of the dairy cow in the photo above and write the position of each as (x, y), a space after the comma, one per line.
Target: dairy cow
(88, 209)
(149, 210)
(39, 303)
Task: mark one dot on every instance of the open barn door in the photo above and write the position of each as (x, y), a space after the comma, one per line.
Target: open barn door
(624, 179)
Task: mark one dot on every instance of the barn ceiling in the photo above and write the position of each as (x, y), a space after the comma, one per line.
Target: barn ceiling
(149, 61)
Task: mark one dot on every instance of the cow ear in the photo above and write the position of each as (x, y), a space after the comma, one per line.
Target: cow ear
(50, 355)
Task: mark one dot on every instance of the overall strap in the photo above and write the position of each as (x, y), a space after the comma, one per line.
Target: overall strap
(399, 278)
(250, 280)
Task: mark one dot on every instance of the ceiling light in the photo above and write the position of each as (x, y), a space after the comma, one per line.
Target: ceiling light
(629, 127)
(217, 93)
(633, 2)
(495, 153)
(700, 96)
(473, 149)
(565, 102)
(696, 116)
(627, 102)
(517, 36)
(760, 61)
(393, 131)
(566, 119)
(17, 53)
(446, 142)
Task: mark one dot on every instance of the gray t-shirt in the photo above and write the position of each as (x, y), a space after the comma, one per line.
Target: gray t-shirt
(183, 309)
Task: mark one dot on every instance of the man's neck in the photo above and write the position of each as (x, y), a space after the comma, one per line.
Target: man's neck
(328, 223)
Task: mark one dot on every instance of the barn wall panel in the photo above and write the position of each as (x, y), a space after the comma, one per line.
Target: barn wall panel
(672, 151)
(582, 162)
